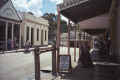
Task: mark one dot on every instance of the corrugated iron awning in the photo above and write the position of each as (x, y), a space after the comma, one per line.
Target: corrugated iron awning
(86, 11)
(79, 10)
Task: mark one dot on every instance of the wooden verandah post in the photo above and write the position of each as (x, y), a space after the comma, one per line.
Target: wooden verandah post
(58, 41)
(75, 44)
(68, 36)
(79, 42)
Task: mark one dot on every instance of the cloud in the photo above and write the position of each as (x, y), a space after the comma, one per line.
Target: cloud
(57, 1)
(56, 13)
(33, 6)
(64, 18)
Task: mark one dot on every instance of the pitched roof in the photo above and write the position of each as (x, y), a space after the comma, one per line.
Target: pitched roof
(72, 33)
(20, 14)
(8, 11)
(2, 2)
(64, 35)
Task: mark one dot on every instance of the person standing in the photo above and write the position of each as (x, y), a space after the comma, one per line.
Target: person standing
(9, 43)
(12, 44)
(85, 55)
(27, 45)
(61, 44)
(14, 39)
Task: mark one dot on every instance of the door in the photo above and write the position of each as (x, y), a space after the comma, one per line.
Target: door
(32, 36)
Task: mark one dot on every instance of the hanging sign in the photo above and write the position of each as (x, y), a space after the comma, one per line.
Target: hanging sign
(65, 62)
(69, 4)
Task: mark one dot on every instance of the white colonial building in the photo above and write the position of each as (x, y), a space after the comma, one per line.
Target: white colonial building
(22, 26)
(34, 29)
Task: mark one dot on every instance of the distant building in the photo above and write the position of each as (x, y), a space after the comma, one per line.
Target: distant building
(87, 38)
(34, 30)
(64, 39)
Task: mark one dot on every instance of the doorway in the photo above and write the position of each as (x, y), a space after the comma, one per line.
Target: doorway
(9, 30)
(16, 33)
(2, 31)
(32, 31)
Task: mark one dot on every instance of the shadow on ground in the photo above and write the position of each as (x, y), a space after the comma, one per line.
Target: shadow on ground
(80, 73)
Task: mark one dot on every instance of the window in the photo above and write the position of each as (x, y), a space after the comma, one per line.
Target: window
(9, 30)
(45, 34)
(27, 33)
(41, 37)
(2, 30)
(37, 34)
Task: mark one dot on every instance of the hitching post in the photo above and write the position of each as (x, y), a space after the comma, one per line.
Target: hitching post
(37, 63)
(54, 60)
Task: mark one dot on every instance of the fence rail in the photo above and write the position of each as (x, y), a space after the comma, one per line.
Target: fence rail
(37, 52)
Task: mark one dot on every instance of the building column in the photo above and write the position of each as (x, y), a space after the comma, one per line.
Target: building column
(20, 38)
(93, 42)
(75, 44)
(68, 37)
(118, 33)
(47, 35)
(84, 36)
(25, 32)
(79, 42)
(6, 35)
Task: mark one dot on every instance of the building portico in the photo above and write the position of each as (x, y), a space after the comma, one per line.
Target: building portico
(9, 24)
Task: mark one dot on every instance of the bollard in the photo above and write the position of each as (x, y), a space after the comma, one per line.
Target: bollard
(54, 60)
(37, 63)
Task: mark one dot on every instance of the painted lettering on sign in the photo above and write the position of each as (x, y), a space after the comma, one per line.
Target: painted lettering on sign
(64, 62)
(9, 12)
(70, 3)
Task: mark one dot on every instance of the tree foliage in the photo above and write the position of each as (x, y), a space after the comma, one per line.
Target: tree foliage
(52, 18)
(30, 13)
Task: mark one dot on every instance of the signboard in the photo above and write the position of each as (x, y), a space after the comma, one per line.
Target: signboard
(65, 62)
(69, 4)
(8, 11)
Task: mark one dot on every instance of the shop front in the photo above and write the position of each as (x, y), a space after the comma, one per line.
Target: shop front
(96, 17)
(9, 25)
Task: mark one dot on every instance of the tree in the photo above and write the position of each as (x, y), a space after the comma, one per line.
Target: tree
(52, 18)
(30, 13)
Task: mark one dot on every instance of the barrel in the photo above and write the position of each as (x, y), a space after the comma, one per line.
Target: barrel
(106, 71)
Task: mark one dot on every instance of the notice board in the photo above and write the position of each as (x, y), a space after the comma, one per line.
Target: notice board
(64, 62)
